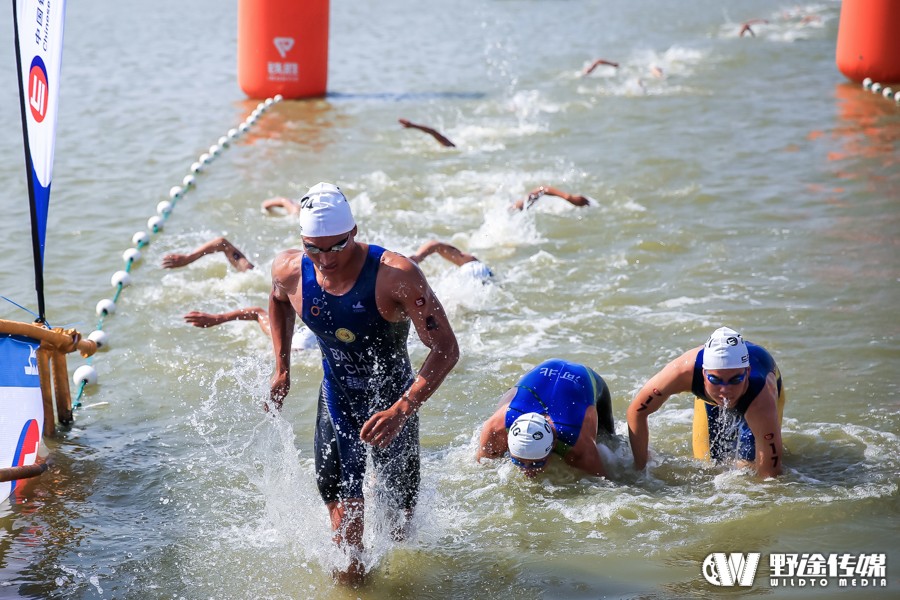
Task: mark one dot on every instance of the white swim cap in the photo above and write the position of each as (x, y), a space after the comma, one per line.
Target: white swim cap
(725, 349)
(476, 269)
(530, 437)
(324, 211)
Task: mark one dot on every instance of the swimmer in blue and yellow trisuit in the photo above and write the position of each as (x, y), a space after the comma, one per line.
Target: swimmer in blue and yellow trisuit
(359, 300)
(558, 406)
(739, 403)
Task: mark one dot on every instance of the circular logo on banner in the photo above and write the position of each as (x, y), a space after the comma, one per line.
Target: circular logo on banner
(38, 91)
(345, 335)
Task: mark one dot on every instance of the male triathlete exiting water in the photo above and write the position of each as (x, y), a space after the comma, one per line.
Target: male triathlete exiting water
(738, 408)
(358, 299)
(558, 406)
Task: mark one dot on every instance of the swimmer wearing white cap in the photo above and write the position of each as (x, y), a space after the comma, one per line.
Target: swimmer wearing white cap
(740, 398)
(557, 407)
(359, 300)
(468, 263)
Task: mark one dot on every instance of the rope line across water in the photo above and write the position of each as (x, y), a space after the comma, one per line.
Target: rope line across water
(86, 374)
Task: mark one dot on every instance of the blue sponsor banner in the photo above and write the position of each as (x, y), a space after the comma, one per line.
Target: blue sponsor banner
(18, 361)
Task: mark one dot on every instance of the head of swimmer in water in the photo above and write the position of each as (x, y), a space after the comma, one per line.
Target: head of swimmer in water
(726, 367)
(530, 441)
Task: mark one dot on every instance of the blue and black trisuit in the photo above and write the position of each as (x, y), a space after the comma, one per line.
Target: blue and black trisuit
(367, 369)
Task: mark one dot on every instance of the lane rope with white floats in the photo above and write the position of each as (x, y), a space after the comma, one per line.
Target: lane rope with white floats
(877, 88)
(86, 374)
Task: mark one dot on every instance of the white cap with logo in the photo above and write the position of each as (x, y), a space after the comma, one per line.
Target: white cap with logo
(325, 211)
(725, 349)
(530, 437)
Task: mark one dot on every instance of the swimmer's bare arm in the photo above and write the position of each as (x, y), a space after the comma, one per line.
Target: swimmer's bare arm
(547, 190)
(588, 70)
(492, 442)
(289, 205)
(441, 139)
(446, 251)
(282, 316)
(674, 378)
(405, 287)
(250, 313)
(219, 244)
(584, 455)
(762, 417)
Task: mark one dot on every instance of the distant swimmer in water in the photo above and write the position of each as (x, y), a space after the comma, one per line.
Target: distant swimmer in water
(219, 244)
(557, 407)
(441, 138)
(303, 338)
(467, 262)
(738, 406)
(745, 26)
(600, 61)
(360, 301)
(546, 190)
(289, 205)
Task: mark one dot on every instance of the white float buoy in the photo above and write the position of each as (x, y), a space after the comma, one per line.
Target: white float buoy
(132, 255)
(269, 102)
(189, 181)
(243, 127)
(223, 141)
(876, 88)
(278, 98)
(215, 149)
(99, 337)
(164, 207)
(85, 374)
(205, 158)
(120, 278)
(176, 192)
(867, 82)
(887, 92)
(897, 97)
(140, 238)
(196, 167)
(155, 224)
(233, 133)
(106, 307)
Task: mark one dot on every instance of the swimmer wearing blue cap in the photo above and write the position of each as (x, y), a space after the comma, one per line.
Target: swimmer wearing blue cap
(557, 407)
(738, 407)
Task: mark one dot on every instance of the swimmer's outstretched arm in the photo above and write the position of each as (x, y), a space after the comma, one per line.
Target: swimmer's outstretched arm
(432, 132)
(546, 190)
(589, 69)
(251, 313)
(745, 26)
(445, 250)
(287, 204)
(219, 244)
